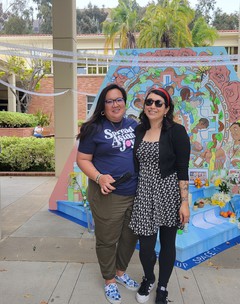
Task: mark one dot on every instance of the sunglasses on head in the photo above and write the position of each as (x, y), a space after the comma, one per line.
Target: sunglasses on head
(150, 101)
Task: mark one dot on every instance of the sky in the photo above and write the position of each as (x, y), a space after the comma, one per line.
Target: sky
(227, 6)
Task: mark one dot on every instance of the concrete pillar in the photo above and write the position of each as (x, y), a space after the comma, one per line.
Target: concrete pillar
(11, 96)
(0, 211)
(65, 78)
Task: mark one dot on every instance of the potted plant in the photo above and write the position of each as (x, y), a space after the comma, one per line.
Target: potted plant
(195, 206)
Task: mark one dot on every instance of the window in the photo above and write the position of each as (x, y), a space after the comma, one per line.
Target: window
(81, 70)
(3, 105)
(92, 66)
(90, 101)
(232, 50)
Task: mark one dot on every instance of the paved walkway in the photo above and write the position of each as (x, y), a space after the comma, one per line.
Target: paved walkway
(45, 258)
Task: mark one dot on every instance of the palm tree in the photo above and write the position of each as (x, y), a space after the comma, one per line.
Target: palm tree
(166, 25)
(123, 22)
(202, 33)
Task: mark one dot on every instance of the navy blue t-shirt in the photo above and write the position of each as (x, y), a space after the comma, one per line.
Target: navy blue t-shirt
(112, 152)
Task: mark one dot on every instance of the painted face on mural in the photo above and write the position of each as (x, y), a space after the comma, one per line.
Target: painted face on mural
(235, 132)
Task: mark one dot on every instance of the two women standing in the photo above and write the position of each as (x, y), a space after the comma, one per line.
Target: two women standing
(161, 154)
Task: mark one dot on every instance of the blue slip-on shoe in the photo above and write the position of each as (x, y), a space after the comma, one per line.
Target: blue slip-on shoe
(126, 281)
(112, 293)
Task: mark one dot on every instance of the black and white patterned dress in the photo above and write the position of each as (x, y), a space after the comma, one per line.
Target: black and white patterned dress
(157, 200)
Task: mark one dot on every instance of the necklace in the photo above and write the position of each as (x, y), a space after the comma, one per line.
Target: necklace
(114, 125)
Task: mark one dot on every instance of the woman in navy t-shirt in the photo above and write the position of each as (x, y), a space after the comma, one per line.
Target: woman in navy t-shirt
(105, 153)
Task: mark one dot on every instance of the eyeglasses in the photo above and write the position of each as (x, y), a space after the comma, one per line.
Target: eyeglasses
(150, 101)
(117, 100)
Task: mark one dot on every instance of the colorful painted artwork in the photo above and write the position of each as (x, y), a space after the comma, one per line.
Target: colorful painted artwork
(206, 98)
(205, 91)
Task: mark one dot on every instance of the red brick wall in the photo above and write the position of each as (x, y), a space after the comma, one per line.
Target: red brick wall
(86, 84)
(19, 132)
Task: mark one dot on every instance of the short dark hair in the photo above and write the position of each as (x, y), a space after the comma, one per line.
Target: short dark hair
(168, 120)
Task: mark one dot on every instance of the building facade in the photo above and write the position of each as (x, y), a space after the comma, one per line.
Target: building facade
(90, 69)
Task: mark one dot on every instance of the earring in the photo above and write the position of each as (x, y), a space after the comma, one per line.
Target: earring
(102, 113)
(165, 115)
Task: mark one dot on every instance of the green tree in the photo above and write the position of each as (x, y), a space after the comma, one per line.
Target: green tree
(16, 26)
(89, 20)
(123, 24)
(28, 77)
(205, 8)
(17, 19)
(224, 21)
(202, 33)
(166, 25)
(44, 15)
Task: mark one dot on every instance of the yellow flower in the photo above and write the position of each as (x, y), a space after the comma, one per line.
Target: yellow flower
(219, 199)
(221, 204)
(217, 182)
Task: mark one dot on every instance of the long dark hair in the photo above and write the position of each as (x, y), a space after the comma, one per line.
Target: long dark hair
(97, 117)
(168, 120)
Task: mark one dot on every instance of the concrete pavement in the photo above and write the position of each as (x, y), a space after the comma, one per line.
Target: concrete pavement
(45, 258)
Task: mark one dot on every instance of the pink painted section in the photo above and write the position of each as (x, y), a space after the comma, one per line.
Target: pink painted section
(60, 191)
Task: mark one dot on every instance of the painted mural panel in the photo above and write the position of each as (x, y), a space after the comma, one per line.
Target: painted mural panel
(205, 95)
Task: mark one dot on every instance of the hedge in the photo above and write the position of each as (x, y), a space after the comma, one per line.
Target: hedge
(27, 154)
(17, 120)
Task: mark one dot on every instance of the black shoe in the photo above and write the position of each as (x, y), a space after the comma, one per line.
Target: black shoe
(161, 297)
(143, 292)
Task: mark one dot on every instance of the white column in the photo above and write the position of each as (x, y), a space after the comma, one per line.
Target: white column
(11, 96)
(0, 207)
(65, 78)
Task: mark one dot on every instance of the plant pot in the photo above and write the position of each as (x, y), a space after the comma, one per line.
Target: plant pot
(195, 207)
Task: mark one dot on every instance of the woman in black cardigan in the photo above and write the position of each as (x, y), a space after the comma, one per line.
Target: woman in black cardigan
(161, 152)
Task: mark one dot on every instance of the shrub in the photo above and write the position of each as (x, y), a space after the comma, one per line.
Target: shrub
(43, 118)
(27, 154)
(17, 120)
(80, 122)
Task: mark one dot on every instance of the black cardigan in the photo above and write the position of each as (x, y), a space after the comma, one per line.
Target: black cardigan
(174, 150)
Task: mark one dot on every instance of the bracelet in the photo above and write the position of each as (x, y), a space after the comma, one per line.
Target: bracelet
(97, 178)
